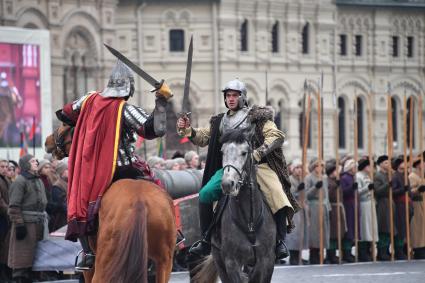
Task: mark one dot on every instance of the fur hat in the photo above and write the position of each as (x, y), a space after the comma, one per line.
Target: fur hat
(61, 167)
(381, 159)
(296, 162)
(396, 162)
(24, 162)
(330, 166)
(363, 163)
(314, 162)
(349, 164)
(42, 163)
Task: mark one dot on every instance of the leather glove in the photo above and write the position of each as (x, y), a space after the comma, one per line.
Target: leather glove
(21, 232)
(355, 186)
(406, 189)
(371, 187)
(421, 188)
(301, 186)
(319, 184)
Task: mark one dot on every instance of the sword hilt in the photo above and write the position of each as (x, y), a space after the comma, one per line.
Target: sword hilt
(163, 89)
(185, 116)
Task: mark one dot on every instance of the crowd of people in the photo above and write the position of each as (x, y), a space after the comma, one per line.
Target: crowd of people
(364, 188)
(33, 202)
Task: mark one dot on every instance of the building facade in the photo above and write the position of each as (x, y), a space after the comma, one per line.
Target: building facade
(366, 50)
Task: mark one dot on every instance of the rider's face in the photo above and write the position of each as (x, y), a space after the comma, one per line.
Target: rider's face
(232, 99)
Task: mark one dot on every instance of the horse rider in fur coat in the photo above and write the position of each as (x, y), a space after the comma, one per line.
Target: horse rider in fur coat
(272, 174)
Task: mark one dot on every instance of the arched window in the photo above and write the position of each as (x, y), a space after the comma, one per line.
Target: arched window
(80, 71)
(244, 35)
(341, 122)
(410, 110)
(394, 118)
(360, 123)
(305, 38)
(275, 37)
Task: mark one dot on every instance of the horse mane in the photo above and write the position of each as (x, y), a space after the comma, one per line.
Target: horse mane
(235, 136)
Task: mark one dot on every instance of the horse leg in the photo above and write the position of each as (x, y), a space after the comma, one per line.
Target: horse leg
(221, 268)
(163, 269)
(234, 268)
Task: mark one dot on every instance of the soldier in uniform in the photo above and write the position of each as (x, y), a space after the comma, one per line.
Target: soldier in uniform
(105, 128)
(313, 186)
(399, 193)
(333, 187)
(417, 234)
(272, 174)
(368, 212)
(382, 185)
(348, 188)
(298, 240)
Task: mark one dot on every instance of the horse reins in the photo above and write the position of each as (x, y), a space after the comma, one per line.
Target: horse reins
(60, 141)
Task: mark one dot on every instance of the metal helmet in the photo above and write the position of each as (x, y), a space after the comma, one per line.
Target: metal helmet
(121, 82)
(238, 86)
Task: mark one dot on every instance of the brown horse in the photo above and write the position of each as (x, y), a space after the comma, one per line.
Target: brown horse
(136, 223)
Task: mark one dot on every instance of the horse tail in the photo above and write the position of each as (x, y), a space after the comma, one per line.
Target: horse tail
(130, 261)
(206, 271)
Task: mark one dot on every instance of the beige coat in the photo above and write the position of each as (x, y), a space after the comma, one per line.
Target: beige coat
(417, 223)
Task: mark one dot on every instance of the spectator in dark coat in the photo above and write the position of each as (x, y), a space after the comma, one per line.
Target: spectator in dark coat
(58, 200)
(4, 221)
(27, 213)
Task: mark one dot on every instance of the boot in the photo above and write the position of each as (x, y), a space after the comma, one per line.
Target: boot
(88, 259)
(363, 255)
(399, 253)
(281, 249)
(294, 258)
(314, 256)
(202, 247)
(348, 257)
(383, 254)
(419, 253)
(331, 257)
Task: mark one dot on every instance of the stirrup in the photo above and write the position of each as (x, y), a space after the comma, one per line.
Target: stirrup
(197, 250)
(180, 238)
(79, 266)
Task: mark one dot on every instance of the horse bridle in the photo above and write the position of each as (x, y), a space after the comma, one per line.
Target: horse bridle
(243, 173)
(59, 140)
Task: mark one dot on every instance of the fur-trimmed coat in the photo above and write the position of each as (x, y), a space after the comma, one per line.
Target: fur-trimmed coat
(258, 116)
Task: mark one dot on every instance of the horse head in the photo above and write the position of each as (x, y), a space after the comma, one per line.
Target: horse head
(59, 142)
(237, 160)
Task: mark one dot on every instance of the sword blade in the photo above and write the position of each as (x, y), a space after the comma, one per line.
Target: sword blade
(153, 82)
(185, 103)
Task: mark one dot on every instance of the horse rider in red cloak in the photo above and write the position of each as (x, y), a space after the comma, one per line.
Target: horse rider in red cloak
(102, 151)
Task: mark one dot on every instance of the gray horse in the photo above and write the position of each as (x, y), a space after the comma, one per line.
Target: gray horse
(243, 241)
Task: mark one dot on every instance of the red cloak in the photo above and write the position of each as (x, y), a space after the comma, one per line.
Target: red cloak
(92, 161)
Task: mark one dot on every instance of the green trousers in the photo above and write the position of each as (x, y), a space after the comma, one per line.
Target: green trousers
(212, 192)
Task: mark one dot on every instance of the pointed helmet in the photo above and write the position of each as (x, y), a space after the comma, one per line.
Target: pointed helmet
(121, 82)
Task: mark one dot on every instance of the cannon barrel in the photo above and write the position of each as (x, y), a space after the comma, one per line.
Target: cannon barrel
(180, 183)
